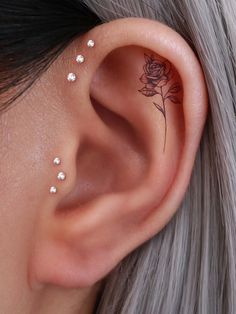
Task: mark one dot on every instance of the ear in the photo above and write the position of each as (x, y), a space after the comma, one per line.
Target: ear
(138, 110)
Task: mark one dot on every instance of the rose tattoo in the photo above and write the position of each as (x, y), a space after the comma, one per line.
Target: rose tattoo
(157, 74)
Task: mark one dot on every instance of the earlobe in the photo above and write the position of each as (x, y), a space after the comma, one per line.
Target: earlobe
(144, 108)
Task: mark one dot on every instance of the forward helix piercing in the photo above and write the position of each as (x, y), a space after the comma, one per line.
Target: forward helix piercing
(91, 43)
(80, 59)
(72, 77)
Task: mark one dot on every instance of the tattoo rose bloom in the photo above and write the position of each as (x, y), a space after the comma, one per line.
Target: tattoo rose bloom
(157, 74)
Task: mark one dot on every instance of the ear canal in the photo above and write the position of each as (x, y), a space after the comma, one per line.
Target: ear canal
(115, 165)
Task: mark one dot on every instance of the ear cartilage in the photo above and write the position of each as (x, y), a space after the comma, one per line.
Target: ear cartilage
(71, 77)
(57, 161)
(80, 59)
(53, 190)
(61, 176)
(91, 43)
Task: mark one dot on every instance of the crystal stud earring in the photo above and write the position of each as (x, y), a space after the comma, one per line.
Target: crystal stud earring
(53, 190)
(91, 43)
(71, 77)
(57, 161)
(80, 59)
(61, 176)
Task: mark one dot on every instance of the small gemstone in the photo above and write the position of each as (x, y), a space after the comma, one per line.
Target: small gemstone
(71, 77)
(80, 59)
(91, 43)
(57, 161)
(61, 176)
(53, 190)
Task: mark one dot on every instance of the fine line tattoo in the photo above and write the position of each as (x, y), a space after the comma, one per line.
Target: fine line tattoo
(156, 78)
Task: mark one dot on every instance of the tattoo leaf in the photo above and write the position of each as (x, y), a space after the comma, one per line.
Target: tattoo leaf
(160, 109)
(163, 83)
(174, 99)
(144, 79)
(148, 92)
(175, 88)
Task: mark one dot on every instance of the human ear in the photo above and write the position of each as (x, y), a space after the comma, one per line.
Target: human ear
(138, 111)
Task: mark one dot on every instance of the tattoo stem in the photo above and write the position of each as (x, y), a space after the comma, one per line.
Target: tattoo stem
(162, 109)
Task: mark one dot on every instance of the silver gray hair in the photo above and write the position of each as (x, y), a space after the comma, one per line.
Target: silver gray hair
(190, 266)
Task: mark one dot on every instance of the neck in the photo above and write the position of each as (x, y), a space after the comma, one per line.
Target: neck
(61, 301)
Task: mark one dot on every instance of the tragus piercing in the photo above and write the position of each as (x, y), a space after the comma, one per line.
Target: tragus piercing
(57, 161)
(61, 176)
(53, 190)
(71, 77)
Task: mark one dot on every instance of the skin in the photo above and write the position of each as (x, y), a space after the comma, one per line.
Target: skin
(121, 188)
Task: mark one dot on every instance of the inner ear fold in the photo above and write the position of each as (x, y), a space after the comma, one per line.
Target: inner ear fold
(138, 95)
(135, 77)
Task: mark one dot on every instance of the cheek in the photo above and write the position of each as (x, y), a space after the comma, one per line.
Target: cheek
(21, 171)
(29, 139)
(24, 152)
(20, 198)
(30, 135)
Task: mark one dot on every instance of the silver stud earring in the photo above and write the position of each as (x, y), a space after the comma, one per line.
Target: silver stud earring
(71, 77)
(53, 190)
(80, 59)
(91, 43)
(57, 161)
(61, 176)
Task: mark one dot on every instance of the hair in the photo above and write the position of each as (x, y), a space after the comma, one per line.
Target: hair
(32, 35)
(190, 265)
